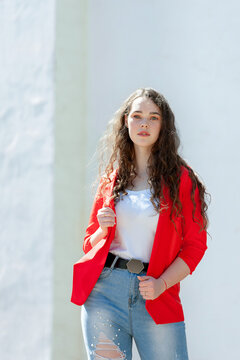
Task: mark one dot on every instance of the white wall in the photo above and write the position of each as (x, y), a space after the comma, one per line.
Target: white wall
(26, 178)
(69, 171)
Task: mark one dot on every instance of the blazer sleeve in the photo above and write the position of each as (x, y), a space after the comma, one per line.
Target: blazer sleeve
(93, 224)
(194, 242)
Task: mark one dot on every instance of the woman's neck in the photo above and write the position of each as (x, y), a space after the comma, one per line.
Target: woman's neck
(141, 161)
(139, 183)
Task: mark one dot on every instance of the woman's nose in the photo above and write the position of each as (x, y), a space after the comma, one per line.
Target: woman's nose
(144, 123)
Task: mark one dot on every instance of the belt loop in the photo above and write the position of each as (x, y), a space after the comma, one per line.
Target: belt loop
(114, 262)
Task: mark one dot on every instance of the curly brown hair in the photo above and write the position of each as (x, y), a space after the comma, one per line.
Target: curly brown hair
(116, 150)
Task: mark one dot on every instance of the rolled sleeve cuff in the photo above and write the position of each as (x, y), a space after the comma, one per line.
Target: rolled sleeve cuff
(192, 260)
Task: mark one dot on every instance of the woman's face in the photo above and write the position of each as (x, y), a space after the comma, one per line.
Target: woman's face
(144, 116)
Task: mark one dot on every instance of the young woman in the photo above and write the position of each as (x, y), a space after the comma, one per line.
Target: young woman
(146, 233)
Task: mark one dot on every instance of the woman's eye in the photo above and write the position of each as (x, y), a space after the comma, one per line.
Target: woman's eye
(138, 117)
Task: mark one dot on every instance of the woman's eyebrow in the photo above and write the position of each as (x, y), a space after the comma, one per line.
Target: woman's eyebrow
(153, 112)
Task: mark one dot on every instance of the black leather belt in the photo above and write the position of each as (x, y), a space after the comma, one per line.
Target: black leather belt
(133, 265)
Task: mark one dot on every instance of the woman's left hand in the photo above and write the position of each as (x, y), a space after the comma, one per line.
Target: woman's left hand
(150, 288)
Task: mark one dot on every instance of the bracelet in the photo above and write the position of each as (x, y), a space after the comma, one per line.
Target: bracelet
(164, 282)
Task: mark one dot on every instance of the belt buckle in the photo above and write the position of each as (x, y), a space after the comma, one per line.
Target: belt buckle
(135, 266)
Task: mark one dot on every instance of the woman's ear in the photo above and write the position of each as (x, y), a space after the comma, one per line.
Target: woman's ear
(126, 123)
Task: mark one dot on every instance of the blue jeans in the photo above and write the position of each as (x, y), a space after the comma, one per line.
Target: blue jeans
(115, 313)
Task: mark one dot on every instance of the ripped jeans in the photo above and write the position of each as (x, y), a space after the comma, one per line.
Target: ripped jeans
(115, 313)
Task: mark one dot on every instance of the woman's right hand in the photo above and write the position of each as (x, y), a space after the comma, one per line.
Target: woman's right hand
(106, 218)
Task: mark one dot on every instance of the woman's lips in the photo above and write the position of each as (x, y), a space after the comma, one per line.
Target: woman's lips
(144, 134)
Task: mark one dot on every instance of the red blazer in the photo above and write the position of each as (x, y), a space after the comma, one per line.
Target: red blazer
(187, 243)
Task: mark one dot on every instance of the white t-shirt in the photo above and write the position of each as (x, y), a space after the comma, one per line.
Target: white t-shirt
(136, 226)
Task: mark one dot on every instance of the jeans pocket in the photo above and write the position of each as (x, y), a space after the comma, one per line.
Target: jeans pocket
(106, 272)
